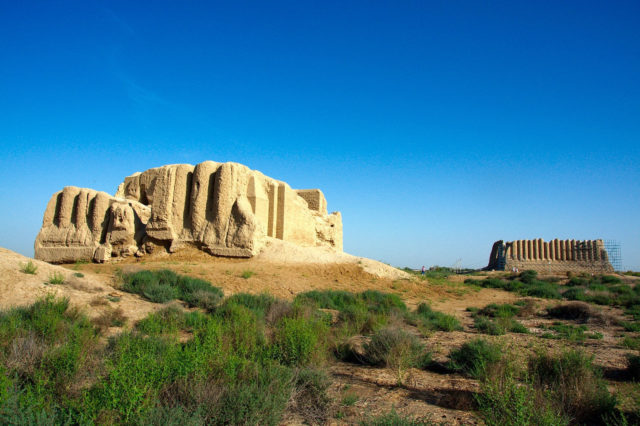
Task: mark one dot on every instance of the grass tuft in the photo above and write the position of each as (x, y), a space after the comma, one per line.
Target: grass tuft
(29, 268)
(56, 278)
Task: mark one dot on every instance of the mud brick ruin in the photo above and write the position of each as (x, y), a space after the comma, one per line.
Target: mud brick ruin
(557, 256)
(225, 209)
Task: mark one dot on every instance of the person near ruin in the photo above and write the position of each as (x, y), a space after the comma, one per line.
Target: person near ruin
(423, 270)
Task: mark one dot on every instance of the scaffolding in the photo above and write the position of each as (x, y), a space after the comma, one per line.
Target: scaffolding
(613, 251)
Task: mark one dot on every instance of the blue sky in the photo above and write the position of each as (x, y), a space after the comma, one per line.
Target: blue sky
(436, 128)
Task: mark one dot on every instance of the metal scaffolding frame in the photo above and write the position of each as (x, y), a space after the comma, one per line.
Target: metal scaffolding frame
(613, 251)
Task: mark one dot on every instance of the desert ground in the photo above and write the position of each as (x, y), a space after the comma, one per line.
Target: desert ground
(358, 391)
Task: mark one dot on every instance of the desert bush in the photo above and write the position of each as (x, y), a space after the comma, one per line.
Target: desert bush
(164, 285)
(541, 289)
(475, 357)
(500, 311)
(433, 320)
(572, 381)
(576, 311)
(394, 348)
(165, 321)
(360, 313)
(310, 398)
(633, 366)
(610, 279)
(394, 419)
(110, 317)
(631, 342)
(504, 400)
(498, 326)
(259, 304)
(570, 332)
(577, 281)
(243, 333)
(260, 397)
(56, 278)
(630, 326)
(575, 293)
(29, 268)
(528, 276)
(44, 347)
(297, 340)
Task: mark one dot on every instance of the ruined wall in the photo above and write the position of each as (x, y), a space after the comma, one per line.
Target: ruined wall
(83, 224)
(225, 209)
(553, 256)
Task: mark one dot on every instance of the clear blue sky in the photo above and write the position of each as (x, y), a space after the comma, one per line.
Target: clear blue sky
(436, 128)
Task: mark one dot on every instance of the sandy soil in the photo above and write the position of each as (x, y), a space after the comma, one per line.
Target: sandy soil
(285, 272)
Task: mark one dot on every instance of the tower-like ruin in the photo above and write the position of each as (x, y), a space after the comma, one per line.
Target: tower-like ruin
(553, 256)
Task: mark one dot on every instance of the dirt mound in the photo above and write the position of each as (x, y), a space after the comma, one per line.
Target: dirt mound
(278, 251)
(89, 291)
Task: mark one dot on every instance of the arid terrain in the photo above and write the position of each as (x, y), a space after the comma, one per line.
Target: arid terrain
(358, 391)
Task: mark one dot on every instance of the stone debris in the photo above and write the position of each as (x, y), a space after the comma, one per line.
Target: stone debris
(225, 209)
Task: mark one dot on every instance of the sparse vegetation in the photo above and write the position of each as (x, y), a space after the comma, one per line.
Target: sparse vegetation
(29, 268)
(430, 320)
(497, 319)
(56, 278)
(246, 274)
(258, 359)
(164, 286)
(475, 357)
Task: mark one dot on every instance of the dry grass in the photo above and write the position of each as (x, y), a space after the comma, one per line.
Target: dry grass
(111, 317)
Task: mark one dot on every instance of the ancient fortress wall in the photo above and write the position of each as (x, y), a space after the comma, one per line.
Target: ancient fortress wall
(225, 209)
(553, 256)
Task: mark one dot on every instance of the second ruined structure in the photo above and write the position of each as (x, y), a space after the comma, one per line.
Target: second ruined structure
(225, 209)
(553, 256)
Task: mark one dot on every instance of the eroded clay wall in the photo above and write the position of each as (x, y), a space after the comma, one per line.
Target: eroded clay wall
(553, 256)
(224, 208)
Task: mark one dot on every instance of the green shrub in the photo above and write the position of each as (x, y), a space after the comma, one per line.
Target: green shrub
(166, 321)
(260, 397)
(242, 332)
(247, 274)
(630, 326)
(29, 268)
(474, 357)
(577, 281)
(164, 285)
(633, 366)
(498, 326)
(296, 340)
(528, 276)
(310, 398)
(574, 383)
(432, 320)
(488, 326)
(575, 294)
(44, 348)
(503, 400)
(394, 348)
(382, 302)
(259, 304)
(500, 311)
(576, 311)
(159, 293)
(610, 279)
(631, 342)
(541, 289)
(603, 298)
(56, 278)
